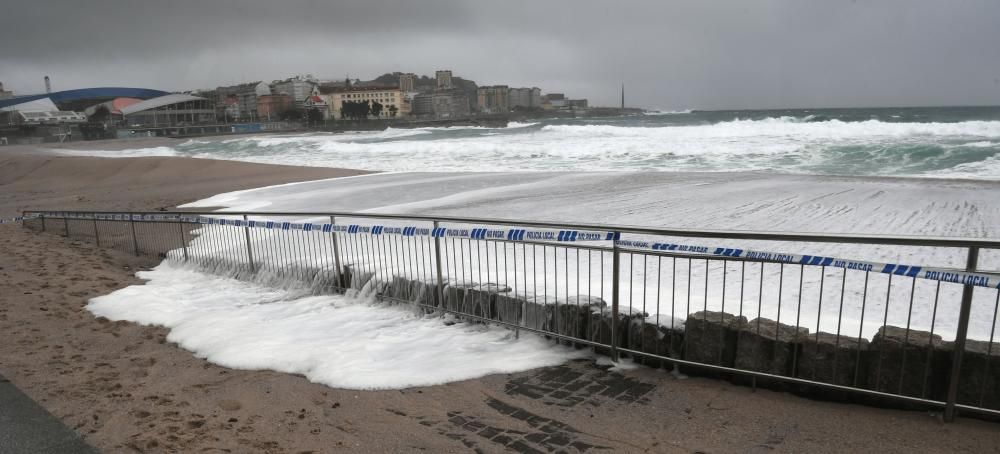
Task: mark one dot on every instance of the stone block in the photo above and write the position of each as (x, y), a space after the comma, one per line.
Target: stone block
(912, 363)
(764, 345)
(979, 382)
(657, 336)
(710, 337)
(831, 359)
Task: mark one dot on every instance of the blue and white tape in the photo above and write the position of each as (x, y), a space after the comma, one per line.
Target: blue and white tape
(521, 235)
(896, 269)
(17, 219)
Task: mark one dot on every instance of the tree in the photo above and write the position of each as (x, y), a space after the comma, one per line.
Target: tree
(393, 110)
(376, 109)
(314, 115)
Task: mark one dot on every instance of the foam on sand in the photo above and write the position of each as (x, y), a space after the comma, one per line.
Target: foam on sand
(338, 341)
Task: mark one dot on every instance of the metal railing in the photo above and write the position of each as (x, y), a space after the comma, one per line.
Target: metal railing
(815, 324)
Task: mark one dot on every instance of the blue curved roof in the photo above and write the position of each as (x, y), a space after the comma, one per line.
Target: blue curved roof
(86, 93)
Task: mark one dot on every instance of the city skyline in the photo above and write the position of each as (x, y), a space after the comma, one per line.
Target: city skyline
(670, 55)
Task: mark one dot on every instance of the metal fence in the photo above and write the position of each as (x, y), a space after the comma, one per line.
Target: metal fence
(817, 324)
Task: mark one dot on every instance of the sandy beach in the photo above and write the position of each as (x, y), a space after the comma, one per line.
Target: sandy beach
(126, 389)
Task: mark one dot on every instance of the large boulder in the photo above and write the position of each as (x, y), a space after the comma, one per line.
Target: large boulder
(571, 317)
(833, 359)
(908, 362)
(764, 345)
(508, 309)
(979, 382)
(710, 337)
(658, 334)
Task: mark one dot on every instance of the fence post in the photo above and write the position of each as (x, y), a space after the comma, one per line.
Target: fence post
(66, 223)
(97, 236)
(336, 255)
(246, 233)
(184, 243)
(42, 216)
(135, 239)
(437, 260)
(615, 271)
(960, 334)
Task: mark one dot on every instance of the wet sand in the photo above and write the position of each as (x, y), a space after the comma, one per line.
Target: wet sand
(126, 389)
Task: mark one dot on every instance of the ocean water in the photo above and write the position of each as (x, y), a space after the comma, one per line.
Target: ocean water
(955, 142)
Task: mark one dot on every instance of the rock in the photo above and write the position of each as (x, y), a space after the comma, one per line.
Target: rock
(979, 382)
(829, 359)
(764, 345)
(508, 309)
(710, 337)
(912, 363)
(656, 335)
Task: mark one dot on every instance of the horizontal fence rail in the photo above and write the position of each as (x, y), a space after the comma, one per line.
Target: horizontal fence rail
(791, 312)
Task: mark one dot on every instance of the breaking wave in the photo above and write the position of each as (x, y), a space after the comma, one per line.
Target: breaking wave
(799, 144)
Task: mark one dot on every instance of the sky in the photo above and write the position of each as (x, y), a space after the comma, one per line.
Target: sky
(670, 55)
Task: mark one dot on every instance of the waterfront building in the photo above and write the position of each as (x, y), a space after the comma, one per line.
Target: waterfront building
(493, 99)
(4, 94)
(443, 79)
(443, 104)
(298, 88)
(170, 110)
(525, 98)
(391, 99)
(272, 107)
(406, 82)
(244, 95)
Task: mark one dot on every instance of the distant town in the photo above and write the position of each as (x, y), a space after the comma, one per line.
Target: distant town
(297, 103)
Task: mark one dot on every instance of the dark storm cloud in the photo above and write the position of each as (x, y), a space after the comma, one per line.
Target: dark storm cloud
(693, 54)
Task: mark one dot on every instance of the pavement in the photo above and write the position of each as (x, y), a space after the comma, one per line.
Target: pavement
(25, 427)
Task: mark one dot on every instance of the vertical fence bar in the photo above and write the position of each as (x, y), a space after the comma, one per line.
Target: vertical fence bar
(184, 244)
(66, 224)
(437, 259)
(615, 290)
(963, 329)
(336, 253)
(42, 217)
(135, 239)
(246, 234)
(97, 236)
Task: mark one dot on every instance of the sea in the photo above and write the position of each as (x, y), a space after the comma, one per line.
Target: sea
(931, 142)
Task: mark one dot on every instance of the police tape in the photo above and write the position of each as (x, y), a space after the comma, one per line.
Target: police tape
(895, 269)
(17, 219)
(520, 235)
(477, 233)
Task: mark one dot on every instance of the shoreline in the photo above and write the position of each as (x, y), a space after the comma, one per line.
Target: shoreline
(126, 388)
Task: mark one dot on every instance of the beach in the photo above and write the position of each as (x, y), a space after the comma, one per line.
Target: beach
(125, 388)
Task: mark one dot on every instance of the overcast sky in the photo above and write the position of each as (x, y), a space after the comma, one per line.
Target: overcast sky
(670, 55)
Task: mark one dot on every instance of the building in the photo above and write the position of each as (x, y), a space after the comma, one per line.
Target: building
(494, 99)
(406, 81)
(559, 101)
(319, 103)
(391, 99)
(443, 79)
(444, 104)
(110, 112)
(273, 107)
(170, 110)
(525, 98)
(298, 88)
(244, 97)
(56, 116)
(4, 94)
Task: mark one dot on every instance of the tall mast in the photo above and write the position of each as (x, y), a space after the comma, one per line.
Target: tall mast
(623, 96)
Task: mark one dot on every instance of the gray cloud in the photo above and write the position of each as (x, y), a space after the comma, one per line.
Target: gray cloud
(737, 54)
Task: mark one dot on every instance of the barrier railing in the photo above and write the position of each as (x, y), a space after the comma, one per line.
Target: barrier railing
(804, 319)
